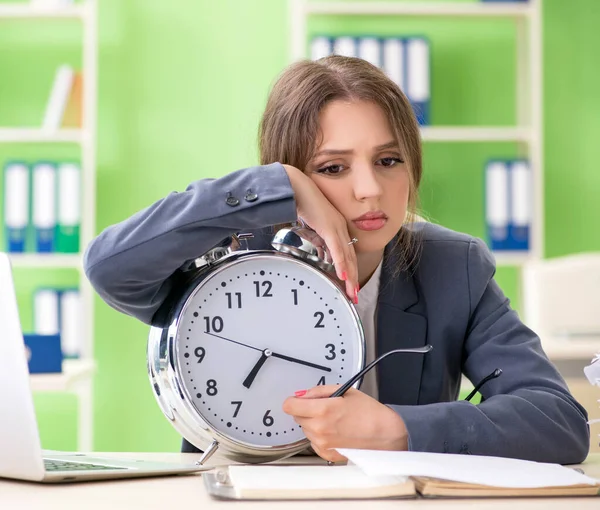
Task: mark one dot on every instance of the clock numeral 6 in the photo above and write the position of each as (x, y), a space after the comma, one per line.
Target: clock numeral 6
(211, 387)
(267, 292)
(320, 316)
(332, 353)
(237, 404)
(268, 419)
(216, 324)
(200, 353)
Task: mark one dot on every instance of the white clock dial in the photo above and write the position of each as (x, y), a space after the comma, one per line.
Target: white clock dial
(256, 331)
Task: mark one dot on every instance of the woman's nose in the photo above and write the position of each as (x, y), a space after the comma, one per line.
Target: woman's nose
(366, 183)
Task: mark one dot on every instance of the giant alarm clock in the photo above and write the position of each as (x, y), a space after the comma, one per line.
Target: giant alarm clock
(247, 330)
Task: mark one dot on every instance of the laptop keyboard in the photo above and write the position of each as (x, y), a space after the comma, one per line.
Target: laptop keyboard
(61, 465)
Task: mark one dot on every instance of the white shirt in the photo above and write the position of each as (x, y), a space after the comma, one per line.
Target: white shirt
(367, 311)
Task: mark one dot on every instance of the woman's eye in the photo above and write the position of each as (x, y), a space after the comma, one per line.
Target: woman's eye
(389, 162)
(331, 169)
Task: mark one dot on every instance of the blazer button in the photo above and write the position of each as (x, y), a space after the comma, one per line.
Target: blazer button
(231, 200)
(250, 196)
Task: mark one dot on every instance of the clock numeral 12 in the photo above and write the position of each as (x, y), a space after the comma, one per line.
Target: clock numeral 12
(267, 292)
(229, 299)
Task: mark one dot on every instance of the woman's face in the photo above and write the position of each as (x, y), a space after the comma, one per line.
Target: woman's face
(361, 171)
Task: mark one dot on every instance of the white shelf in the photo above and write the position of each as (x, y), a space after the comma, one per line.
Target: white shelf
(512, 258)
(571, 349)
(474, 134)
(42, 260)
(420, 9)
(26, 11)
(33, 135)
(74, 372)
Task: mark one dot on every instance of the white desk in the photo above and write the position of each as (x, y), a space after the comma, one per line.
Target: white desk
(179, 492)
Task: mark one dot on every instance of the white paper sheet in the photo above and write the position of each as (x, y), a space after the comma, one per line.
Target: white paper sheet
(475, 469)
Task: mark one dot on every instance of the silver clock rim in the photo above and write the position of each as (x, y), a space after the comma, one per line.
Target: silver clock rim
(174, 398)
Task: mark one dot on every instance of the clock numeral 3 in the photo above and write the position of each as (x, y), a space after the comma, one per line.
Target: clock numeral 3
(200, 353)
(237, 404)
(216, 325)
(211, 387)
(268, 419)
(319, 323)
(332, 354)
(230, 300)
(267, 292)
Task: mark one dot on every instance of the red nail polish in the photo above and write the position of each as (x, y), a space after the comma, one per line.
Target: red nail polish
(356, 296)
(300, 393)
(344, 276)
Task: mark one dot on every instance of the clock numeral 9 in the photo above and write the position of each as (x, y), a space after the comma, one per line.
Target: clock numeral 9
(216, 324)
(200, 353)
(332, 353)
(237, 404)
(211, 387)
(319, 323)
(267, 292)
(268, 419)
(230, 300)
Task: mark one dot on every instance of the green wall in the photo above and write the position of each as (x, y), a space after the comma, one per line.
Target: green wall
(182, 85)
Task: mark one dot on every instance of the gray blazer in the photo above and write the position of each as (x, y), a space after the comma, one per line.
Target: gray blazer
(450, 301)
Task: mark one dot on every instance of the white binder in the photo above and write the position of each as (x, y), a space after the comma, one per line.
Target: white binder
(59, 95)
(345, 46)
(320, 47)
(44, 205)
(369, 49)
(418, 79)
(45, 312)
(496, 203)
(70, 323)
(520, 204)
(16, 205)
(394, 61)
(69, 208)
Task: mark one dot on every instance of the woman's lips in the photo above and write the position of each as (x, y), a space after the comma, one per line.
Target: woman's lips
(373, 224)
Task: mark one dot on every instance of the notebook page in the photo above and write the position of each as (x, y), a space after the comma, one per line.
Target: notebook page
(306, 478)
(474, 469)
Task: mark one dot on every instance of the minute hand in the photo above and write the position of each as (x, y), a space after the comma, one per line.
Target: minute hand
(300, 361)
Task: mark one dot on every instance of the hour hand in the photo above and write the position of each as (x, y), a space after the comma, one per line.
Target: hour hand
(254, 372)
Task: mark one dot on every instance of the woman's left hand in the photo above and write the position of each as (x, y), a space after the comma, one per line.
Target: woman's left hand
(352, 421)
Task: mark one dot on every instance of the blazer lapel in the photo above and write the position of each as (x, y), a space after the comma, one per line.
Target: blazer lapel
(399, 376)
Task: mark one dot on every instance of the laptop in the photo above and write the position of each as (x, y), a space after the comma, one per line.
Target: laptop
(21, 455)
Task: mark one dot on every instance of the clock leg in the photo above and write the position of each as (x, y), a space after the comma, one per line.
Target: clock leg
(208, 453)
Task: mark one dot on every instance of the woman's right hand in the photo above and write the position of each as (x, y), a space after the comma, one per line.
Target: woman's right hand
(322, 217)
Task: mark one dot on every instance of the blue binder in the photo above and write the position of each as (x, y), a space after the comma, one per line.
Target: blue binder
(43, 353)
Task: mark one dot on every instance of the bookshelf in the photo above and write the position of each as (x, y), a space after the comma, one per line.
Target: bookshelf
(527, 134)
(77, 375)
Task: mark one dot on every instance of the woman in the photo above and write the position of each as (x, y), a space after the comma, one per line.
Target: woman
(340, 149)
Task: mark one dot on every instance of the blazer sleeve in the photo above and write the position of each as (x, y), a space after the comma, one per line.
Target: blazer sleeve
(525, 413)
(132, 265)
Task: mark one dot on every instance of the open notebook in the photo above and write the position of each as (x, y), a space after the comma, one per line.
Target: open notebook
(378, 474)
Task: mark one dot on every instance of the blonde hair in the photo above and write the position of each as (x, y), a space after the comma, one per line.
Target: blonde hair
(289, 129)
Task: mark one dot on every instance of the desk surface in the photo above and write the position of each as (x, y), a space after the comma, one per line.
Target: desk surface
(178, 492)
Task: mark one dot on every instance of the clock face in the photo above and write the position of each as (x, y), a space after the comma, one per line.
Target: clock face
(256, 331)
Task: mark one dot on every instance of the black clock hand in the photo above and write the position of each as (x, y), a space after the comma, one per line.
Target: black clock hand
(301, 362)
(233, 341)
(254, 372)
